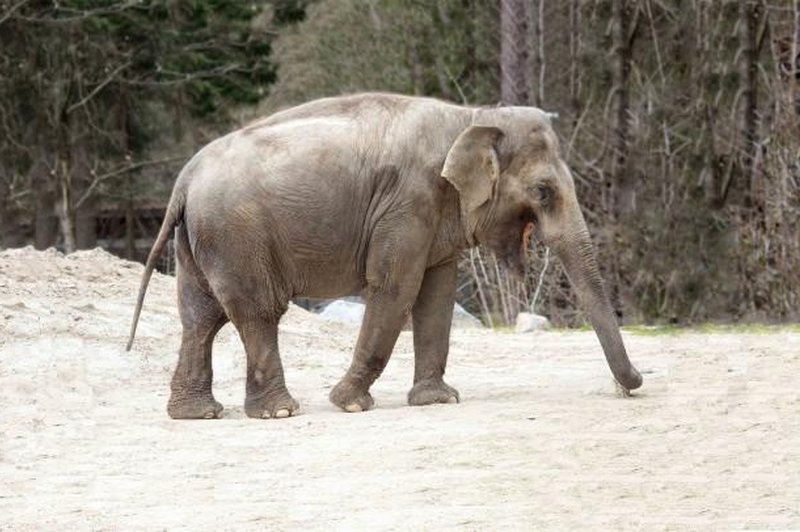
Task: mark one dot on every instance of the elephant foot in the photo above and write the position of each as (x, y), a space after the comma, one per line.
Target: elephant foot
(430, 391)
(351, 398)
(277, 405)
(193, 406)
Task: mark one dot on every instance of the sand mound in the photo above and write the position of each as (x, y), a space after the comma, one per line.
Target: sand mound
(46, 291)
(49, 273)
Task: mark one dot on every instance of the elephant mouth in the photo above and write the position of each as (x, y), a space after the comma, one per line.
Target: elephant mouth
(511, 239)
(514, 257)
(527, 231)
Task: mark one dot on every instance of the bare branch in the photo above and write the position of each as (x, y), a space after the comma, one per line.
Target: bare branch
(10, 12)
(117, 172)
(99, 87)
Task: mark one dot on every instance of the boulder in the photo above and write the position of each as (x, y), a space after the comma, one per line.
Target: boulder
(344, 311)
(529, 322)
(464, 320)
(349, 311)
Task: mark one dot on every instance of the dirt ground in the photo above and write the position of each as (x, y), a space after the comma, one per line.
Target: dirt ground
(540, 440)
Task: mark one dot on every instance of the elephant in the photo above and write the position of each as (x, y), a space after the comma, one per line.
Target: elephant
(374, 194)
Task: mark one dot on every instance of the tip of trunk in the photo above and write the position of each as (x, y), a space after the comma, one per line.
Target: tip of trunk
(630, 379)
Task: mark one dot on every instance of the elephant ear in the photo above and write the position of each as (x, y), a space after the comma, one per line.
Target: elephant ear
(472, 166)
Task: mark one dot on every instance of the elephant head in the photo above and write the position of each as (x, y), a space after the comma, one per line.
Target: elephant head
(513, 185)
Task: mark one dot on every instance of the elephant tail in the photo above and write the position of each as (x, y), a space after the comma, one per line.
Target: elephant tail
(172, 217)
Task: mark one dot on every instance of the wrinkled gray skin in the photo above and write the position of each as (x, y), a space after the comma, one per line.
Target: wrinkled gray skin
(374, 194)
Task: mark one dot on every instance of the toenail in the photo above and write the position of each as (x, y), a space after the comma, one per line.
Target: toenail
(355, 407)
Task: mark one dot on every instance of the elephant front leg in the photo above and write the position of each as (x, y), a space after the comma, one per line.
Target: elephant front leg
(432, 316)
(383, 319)
(394, 271)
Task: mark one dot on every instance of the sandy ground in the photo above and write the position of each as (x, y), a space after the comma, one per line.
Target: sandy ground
(540, 439)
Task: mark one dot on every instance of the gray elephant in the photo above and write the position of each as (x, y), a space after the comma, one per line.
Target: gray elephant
(375, 194)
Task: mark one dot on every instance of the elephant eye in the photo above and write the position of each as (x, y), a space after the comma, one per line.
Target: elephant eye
(545, 193)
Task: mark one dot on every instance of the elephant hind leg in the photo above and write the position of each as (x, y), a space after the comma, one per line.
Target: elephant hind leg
(266, 393)
(251, 273)
(201, 317)
(254, 294)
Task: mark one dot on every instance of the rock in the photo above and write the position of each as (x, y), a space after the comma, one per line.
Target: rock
(344, 311)
(528, 322)
(352, 311)
(464, 320)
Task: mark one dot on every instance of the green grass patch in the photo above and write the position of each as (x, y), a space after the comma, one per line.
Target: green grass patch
(711, 328)
(669, 330)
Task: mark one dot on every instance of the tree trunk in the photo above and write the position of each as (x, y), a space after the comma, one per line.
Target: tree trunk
(749, 15)
(130, 236)
(574, 58)
(5, 224)
(441, 23)
(702, 78)
(417, 74)
(623, 188)
(45, 223)
(85, 228)
(795, 60)
(539, 64)
(515, 85)
(64, 212)
(624, 196)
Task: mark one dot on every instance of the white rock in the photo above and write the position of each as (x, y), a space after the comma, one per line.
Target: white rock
(528, 322)
(464, 320)
(344, 311)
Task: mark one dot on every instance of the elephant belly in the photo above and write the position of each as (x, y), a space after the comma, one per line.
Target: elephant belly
(327, 262)
(326, 237)
(327, 281)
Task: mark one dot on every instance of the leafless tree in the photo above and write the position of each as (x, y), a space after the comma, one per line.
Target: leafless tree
(515, 76)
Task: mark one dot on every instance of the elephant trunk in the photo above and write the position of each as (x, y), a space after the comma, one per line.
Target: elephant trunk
(576, 252)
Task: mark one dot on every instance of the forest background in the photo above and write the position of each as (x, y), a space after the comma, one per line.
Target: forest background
(679, 118)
